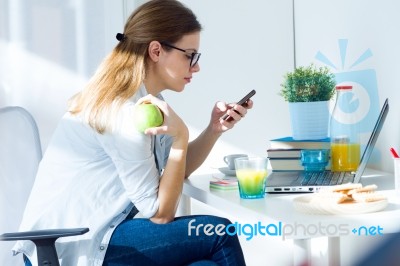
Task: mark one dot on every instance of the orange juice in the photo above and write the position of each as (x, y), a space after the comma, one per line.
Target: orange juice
(251, 182)
(345, 156)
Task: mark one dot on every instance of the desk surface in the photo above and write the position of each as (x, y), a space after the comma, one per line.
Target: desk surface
(278, 208)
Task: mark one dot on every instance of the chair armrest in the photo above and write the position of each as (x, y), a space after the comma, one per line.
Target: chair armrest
(44, 241)
(43, 234)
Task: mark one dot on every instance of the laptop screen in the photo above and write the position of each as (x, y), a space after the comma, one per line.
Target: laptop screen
(372, 140)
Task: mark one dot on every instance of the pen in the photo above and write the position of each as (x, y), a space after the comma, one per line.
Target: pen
(394, 153)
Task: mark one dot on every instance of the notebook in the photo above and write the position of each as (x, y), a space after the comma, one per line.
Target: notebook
(301, 181)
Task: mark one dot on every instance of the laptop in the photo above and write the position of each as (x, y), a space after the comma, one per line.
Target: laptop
(302, 181)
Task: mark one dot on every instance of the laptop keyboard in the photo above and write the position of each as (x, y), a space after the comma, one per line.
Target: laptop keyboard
(326, 178)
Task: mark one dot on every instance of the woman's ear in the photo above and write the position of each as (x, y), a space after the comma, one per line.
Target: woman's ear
(154, 50)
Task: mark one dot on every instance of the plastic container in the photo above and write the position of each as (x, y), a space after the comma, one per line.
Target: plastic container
(315, 160)
(397, 174)
(344, 134)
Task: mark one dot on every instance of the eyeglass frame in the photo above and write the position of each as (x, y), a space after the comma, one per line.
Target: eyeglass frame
(193, 54)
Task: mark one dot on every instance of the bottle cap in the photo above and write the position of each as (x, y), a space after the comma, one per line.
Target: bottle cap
(341, 139)
(344, 87)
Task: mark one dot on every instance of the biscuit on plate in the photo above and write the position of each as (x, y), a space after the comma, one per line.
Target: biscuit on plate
(369, 188)
(367, 197)
(332, 197)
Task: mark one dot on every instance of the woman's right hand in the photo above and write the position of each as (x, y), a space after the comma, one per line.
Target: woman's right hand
(173, 125)
(171, 183)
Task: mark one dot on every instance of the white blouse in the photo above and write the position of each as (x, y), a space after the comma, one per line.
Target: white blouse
(87, 179)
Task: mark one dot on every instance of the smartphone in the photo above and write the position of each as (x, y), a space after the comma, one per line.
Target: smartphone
(241, 102)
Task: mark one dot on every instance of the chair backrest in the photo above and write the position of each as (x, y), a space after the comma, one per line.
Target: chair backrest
(20, 154)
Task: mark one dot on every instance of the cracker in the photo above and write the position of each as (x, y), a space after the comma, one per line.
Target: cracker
(346, 187)
(369, 188)
(348, 193)
(343, 188)
(333, 197)
(368, 197)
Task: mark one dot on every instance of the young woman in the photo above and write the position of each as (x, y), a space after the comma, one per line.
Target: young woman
(100, 172)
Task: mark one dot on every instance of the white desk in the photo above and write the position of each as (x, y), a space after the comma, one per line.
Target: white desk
(275, 208)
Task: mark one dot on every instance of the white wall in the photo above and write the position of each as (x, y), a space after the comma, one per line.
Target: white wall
(49, 49)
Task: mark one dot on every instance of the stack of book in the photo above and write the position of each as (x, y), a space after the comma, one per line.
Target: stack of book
(284, 153)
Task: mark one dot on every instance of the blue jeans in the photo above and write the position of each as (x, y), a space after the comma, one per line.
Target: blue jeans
(27, 261)
(142, 242)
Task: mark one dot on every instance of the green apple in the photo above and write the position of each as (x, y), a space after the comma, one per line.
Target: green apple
(147, 115)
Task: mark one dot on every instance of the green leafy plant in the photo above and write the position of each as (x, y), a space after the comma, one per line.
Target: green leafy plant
(308, 84)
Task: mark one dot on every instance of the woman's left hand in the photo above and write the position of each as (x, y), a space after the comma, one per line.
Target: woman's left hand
(236, 113)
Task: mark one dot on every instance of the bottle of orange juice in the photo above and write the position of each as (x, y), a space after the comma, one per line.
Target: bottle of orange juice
(344, 134)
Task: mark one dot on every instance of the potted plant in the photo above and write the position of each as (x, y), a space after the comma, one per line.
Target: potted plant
(308, 91)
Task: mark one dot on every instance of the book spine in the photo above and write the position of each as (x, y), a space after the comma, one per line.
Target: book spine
(290, 143)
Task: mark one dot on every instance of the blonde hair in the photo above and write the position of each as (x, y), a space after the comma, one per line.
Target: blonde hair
(122, 72)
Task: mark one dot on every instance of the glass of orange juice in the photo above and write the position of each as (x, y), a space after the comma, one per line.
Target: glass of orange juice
(345, 156)
(251, 173)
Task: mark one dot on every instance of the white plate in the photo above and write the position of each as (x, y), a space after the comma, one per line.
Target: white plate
(227, 171)
(305, 205)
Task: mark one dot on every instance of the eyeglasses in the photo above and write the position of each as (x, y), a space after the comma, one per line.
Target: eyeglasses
(194, 57)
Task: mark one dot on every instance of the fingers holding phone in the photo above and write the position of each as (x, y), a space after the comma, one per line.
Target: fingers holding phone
(237, 110)
(234, 112)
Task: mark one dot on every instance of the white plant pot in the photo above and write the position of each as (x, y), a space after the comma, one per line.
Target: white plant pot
(309, 120)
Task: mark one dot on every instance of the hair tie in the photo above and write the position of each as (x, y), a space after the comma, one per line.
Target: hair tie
(120, 37)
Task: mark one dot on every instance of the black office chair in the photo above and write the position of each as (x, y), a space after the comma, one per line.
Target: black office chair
(20, 154)
(45, 242)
